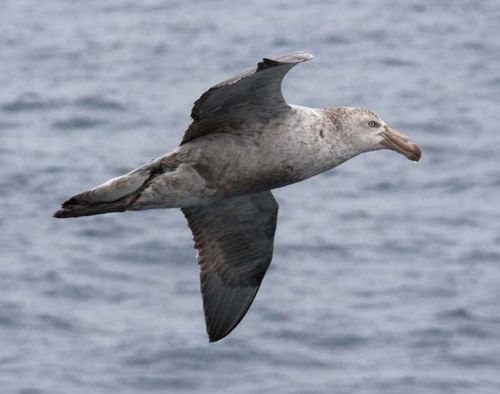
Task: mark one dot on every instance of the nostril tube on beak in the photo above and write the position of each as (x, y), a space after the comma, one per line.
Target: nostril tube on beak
(399, 142)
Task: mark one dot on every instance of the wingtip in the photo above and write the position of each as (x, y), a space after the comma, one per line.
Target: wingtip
(215, 337)
(305, 55)
(215, 333)
(296, 57)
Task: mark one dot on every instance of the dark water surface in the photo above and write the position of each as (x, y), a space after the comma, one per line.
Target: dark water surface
(386, 275)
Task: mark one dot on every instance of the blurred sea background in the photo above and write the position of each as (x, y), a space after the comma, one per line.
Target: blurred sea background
(386, 274)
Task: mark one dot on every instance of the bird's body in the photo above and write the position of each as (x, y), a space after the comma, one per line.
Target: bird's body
(245, 140)
(285, 151)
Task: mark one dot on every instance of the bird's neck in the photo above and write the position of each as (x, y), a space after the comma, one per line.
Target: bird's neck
(323, 142)
(339, 137)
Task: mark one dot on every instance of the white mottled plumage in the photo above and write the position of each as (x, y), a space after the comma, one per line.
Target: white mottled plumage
(244, 141)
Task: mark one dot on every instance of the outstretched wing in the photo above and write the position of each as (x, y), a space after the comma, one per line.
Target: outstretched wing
(234, 239)
(251, 96)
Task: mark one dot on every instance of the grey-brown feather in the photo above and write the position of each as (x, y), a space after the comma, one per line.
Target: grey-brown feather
(234, 239)
(255, 93)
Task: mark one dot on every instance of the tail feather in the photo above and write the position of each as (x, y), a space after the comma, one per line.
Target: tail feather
(73, 208)
(115, 195)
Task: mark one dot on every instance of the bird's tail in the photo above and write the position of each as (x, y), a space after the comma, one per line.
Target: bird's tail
(115, 195)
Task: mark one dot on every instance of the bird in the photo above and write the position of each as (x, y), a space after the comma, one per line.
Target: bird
(244, 141)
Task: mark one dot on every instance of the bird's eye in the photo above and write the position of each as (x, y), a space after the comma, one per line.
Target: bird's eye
(372, 123)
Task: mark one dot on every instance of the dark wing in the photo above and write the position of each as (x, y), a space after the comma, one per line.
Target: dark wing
(234, 239)
(253, 95)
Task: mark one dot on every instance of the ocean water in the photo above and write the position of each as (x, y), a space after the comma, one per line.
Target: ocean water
(386, 273)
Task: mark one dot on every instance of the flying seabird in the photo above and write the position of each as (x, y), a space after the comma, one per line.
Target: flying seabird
(244, 141)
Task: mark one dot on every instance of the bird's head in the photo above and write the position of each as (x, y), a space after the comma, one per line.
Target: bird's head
(369, 132)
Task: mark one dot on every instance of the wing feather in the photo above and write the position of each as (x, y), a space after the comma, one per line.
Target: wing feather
(234, 239)
(253, 95)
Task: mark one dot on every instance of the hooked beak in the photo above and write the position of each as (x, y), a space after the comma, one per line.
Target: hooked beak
(399, 142)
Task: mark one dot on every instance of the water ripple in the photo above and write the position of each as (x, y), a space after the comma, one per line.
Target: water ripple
(78, 122)
(98, 103)
(31, 102)
(385, 274)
